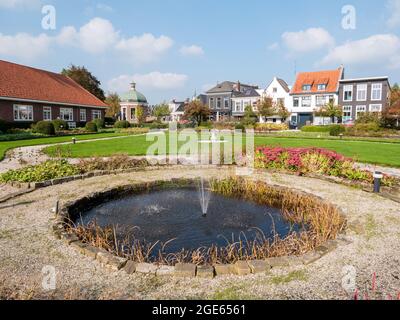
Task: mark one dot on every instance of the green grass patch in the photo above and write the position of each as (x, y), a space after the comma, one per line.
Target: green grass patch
(230, 293)
(299, 275)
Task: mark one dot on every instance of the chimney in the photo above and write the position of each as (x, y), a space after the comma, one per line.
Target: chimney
(238, 86)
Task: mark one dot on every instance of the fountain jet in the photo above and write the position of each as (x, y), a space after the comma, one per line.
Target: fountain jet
(205, 197)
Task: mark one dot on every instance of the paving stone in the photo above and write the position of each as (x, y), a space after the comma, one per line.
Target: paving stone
(278, 262)
(90, 251)
(146, 268)
(310, 257)
(294, 261)
(242, 268)
(323, 249)
(165, 271)
(207, 272)
(224, 269)
(258, 266)
(78, 246)
(185, 270)
(116, 263)
(69, 238)
(130, 267)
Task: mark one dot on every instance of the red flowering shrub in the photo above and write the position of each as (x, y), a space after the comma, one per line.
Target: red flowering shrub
(315, 160)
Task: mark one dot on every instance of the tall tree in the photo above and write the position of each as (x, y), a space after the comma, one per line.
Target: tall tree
(395, 94)
(282, 111)
(114, 107)
(160, 111)
(140, 115)
(330, 110)
(86, 79)
(265, 108)
(250, 117)
(196, 111)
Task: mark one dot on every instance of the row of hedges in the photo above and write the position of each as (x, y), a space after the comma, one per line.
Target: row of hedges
(369, 129)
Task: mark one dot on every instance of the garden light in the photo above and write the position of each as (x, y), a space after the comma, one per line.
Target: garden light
(378, 176)
(74, 140)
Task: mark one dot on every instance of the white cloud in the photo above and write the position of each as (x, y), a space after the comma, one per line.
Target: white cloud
(394, 9)
(152, 80)
(104, 7)
(96, 36)
(145, 48)
(192, 50)
(309, 40)
(14, 4)
(24, 46)
(383, 49)
(273, 46)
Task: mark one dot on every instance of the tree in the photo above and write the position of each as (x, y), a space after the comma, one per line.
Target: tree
(330, 110)
(250, 117)
(266, 108)
(395, 94)
(85, 78)
(196, 111)
(391, 115)
(160, 111)
(114, 107)
(282, 111)
(140, 115)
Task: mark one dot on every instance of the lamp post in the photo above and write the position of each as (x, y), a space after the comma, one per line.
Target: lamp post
(73, 140)
(378, 176)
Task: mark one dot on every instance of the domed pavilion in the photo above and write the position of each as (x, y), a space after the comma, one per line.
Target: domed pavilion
(130, 102)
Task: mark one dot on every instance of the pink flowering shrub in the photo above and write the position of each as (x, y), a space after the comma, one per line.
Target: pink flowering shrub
(312, 160)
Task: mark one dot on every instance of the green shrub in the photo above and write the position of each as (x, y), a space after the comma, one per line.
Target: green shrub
(240, 126)
(367, 127)
(60, 125)
(45, 171)
(336, 130)
(316, 129)
(100, 124)
(271, 127)
(45, 127)
(122, 124)
(158, 125)
(91, 127)
(368, 117)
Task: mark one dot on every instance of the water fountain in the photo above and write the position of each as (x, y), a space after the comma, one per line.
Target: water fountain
(205, 197)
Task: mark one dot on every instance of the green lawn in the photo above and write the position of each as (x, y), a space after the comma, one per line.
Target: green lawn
(8, 145)
(363, 151)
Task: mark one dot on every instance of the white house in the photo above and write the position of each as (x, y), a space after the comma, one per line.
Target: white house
(177, 110)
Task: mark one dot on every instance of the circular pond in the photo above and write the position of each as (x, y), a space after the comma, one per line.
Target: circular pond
(174, 217)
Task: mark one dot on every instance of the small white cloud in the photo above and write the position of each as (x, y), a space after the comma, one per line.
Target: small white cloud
(144, 48)
(24, 46)
(309, 40)
(104, 7)
(18, 4)
(192, 50)
(383, 49)
(273, 46)
(152, 80)
(394, 9)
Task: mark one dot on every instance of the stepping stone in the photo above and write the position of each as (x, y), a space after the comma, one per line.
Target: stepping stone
(224, 269)
(130, 267)
(242, 268)
(205, 272)
(278, 262)
(165, 271)
(146, 268)
(185, 270)
(258, 266)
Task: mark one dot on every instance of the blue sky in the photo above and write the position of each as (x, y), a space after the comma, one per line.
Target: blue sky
(173, 47)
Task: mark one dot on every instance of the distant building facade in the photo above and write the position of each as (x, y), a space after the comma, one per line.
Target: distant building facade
(130, 102)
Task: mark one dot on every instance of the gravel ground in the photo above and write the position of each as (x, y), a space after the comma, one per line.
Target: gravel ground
(27, 245)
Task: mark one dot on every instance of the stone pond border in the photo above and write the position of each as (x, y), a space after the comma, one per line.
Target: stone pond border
(116, 263)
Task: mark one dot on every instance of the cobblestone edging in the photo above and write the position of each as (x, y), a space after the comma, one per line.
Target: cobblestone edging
(112, 262)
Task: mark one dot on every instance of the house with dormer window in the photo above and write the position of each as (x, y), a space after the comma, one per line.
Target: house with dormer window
(311, 92)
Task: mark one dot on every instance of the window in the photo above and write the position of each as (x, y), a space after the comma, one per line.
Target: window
(211, 103)
(123, 114)
(306, 102)
(375, 108)
(47, 114)
(347, 117)
(238, 106)
(348, 93)
(296, 102)
(23, 113)
(321, 87)
(82, 114)
(307, 87)
(376, 93)
(321, 100)
(362, 92)
(360, 109)
(96, 114)
(219, 101)
(226, 103)
(293, 119)
(67, 114)
(274, 90)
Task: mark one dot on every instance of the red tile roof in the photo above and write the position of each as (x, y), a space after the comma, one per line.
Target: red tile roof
(26, 83)
(330, 78)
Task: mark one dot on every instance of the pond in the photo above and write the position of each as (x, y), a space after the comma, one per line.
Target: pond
(175, 216)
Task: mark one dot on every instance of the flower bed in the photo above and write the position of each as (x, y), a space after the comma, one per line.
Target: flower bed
(314, 160)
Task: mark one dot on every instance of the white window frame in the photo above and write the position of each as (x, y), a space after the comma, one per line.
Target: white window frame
(307, 88)
(322, 87)
(298, 102)
(374, 89)
(362, 88)
(99, 115)
(47, 109)
(226, 103)
(211, 103)
(29, 111)
(219, 103)
(67, 111)
(348, 88)
(306, 98)
(347, 109)
(360, 109)
(375, 105)
(83, 112)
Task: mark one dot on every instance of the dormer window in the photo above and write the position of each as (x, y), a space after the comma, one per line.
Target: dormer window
(322, 87)
(307, 87)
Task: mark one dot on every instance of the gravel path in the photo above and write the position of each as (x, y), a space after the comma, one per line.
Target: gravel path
(27, 245)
